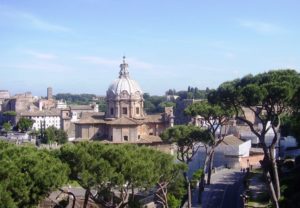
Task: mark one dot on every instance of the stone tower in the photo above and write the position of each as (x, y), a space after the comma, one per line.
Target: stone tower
(49, 93)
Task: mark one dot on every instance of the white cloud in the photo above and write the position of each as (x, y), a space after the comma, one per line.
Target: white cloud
(42, 56)
(31, 20)
(261, 26)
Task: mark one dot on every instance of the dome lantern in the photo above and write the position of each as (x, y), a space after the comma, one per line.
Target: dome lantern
(124, 69)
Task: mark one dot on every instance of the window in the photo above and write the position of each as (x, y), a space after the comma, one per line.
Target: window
(124, 111)
(137, 110)
(139, 136)
(111, 111)
(151, 133)
(125, 138)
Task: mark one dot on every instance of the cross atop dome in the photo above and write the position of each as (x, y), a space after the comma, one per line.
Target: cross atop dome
(124, 69)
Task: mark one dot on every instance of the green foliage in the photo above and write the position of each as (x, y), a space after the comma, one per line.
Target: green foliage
(290, 189)
(191, 93)
(28, 175)
(268, 95)
(102, 106)
(149, 107)
(123, 167)
(171, 92)
(208, 111)
(177, 190)
(290, 126)
(164, 104)
(9, 113)
(156, 104)
(271, 88)
(53, 134)
(7, 127)
(24, 124)
(185, 136)
(173, 201)
(80, 99)
(196, 177)
(274, 92)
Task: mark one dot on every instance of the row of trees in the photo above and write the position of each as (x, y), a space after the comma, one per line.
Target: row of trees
(47, 135)
(118, 172)
(23, 125)
(156, 104)
(115, 172)
(81, 99)
(52, 134)
(190, 138)
(269, 96)
(190, 93)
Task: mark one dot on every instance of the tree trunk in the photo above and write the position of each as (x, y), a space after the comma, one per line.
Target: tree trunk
(188, 190)
(268, 169)
(202, 179)
(272, 192)
(275, 178)
(86, 198)
(210, 166)
(201, 188)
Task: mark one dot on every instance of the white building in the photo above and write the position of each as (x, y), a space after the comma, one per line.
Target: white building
(229, 153)
(44, 119)
(61, 104)
(233, 146)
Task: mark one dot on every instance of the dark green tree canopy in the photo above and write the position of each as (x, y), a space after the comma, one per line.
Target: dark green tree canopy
(268, 96)
(271, 91)
(24, 124)
(209, 111)
(124, 168)
(28, 175)
(7, 127)
(186, 138)
(53, 134)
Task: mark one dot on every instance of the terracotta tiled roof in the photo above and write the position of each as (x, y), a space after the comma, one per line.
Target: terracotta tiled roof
(91, 120)
(99, 115)
(151, 138)
(97, 118)
(124, 121)
(232, 140)
(155, 118)
(53, 112)
(80, 107)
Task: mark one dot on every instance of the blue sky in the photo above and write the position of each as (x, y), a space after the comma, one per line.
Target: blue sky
(77, 45)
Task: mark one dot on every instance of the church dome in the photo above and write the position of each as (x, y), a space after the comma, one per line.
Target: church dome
(124, 85)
